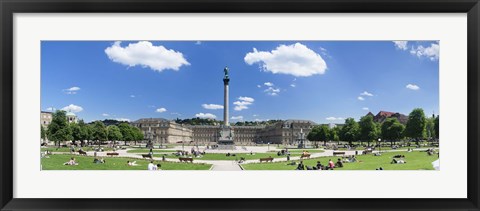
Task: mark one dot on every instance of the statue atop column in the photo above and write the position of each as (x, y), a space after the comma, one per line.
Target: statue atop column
(225, 70)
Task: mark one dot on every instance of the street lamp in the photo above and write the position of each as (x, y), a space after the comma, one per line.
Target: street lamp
(379, 145)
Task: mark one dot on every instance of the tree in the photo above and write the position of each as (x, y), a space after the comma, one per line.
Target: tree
(349, 131)
(137, 134)
(99, 132)
(437, 127)
(392, 130)
(430, 128)
(333, 134)
(127, 132)
(43, 133)
(58, 130)
(416, 125)
(320, 133)
(368, 129)
(114, 133)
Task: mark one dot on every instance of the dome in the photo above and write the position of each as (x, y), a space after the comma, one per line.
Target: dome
(70, 114)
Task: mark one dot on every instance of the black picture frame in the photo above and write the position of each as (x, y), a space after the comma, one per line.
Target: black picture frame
(9, 7)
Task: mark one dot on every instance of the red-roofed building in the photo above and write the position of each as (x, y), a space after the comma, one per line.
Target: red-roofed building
(383, 115)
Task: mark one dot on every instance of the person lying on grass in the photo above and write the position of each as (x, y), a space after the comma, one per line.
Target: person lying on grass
(134, 163)
(71, 162)
(395, 161)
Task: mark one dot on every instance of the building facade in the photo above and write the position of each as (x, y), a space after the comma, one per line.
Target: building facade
(45, 118)
(162, 131)
(168, 131)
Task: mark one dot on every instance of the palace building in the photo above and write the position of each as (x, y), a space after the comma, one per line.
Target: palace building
(164, 131)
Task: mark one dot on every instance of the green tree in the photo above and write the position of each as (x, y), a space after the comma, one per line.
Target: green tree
(319, 133)
(416, 125)
(430, 128)
(127, 132)
(437, 127)
(392, 130)
(114, 134)
(99, 132)
(58, 130)
(137, 134)
(349, 131)
(333, 134)
(368, 129)
(43, 133)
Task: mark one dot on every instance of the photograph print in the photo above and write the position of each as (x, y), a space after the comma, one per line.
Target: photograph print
(240, 105)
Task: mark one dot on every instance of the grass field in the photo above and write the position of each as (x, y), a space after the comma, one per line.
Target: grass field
(55, 162)
(415, 161)
(146, 151)
(219, 156)
(67, 149)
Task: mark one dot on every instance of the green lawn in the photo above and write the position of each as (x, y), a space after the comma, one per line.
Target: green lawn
(415, 161)
(220, 156)
(67, 149)
(55, 162)
(146, 151)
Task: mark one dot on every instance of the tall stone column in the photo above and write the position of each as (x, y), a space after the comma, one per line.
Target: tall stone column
(225, 101)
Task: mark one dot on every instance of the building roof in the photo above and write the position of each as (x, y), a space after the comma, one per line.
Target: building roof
(70, 114)
(385, 113)
(143, 120)
(299, 121)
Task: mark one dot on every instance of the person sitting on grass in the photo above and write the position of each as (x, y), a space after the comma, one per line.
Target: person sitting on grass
(71, 162)
(158, 167)
(339, 163)
(301, 166)
(331, 165)
(134, 163)
(151, 166)
(319, 166)
(98, 161)
(292, 163)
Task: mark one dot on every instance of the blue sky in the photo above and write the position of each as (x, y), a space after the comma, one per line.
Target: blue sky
(322, 81)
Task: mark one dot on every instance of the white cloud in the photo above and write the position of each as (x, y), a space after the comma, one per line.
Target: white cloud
(360, 98)
(272, 91)
(72, 108)
(293, 85)
(176, 114)
(104, 114)
(402, 45)
(365, 108)
(237, 118)
(205, 115)
(243, 103)
(259, 86)
(123, 119)
(132, 96)
(198, 43)
(247, 99)
(412, 87)
(268, 84)
(50, 109)
(432, 52)
(297, 60)
(212, 106)
(145, 54)
(334, 118)
(72, 90)
(365, 93)
(160, 110)
(255, 115)
(240, 107)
